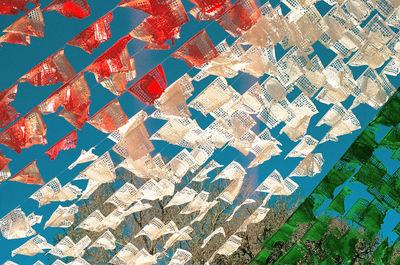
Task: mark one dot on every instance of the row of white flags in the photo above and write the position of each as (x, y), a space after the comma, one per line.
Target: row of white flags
(339, 29)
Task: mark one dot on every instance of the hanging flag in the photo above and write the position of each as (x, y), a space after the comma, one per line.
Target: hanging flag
(30, 24)
(162, 25)
(32, 247)
(29, 175)
(70, 8)
(62, 216)
(13, 7)
(111, 61)
(67, 248)
(7, 112)
(52, 70)
(16, 38)
(240, 17)
(180, 257)
(151, 86)
(66, 143)
(91, 37)
(106, 241)
(17, 225)
(109, 118)
(74, 97)
(3, 161)
(84, 157)
(27, 131)
(209, 9)
(197, 51)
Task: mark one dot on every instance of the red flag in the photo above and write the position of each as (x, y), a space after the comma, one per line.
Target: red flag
(209, 9)
(240, 17)
(29, 175)
(12, 7)
(109, 118)
(111, 61)
(7, 112)
(92, 36)
(3, 161)
(27, 131)
(16, 38)
(66, 143)
(152, 7)
(163, 25)
(30, 24)
(52, 70)
(151, 86)
(70, 8)
(197, 51)
(74, 97)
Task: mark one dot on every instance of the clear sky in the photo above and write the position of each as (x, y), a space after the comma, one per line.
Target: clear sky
(16, 60)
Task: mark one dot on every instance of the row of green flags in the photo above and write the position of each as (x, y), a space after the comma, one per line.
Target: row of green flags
(365, 217)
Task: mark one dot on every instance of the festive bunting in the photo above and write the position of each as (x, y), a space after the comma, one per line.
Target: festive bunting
(208, 9)
(91, 37)
(32, 247)
(109, 118)
(66, 143)
(7, 112)
(30, 24)
(16, 225)
(70, 8)
(12, 7)
(29, 175)
(16, 38)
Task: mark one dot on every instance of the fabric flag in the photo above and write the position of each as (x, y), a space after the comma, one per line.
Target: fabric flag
(181, 235)
(231, 172)
(68, 142)
(93, 222)
(275, 185)
(230, 193)
(91, 37)
(62, 216)
(123, 197)
(5, 174)
(113, 60)
(247, 201)
(13, 7)
(106, 241)
(204, 210)
(209, 9)
(257, 216)
(53, 191)
(163, 24)
(32, 247)
(156, 228)
(29, 175)
(109, 118)
(67, 248)
(347, 124)
(197, 51)
(304, 147)
(15, 38)
(102, 170)
(309, 166)
(181, 197)
(27, 131)
(84, 157)
(172, 103)
(7, 112)
(125, 255)
(263, 149)
(16, 225)
(30, 24)
(196, 204)
(9, 262)
(52, 70)
(180, 257)
(151, 86)
(219, 230)
(240, 17)
(137, 207)
(202, 175)
(3, 161)
(70, 8)
(114, 219)
(228, 248)
(91, 187)
(74, 98)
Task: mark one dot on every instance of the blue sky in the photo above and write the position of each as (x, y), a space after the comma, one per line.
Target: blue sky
(17, 60)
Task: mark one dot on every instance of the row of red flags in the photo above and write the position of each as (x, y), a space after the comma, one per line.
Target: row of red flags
(113, 69)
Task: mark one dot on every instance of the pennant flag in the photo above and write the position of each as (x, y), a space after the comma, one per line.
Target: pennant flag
(16, 38)
(32, 247)
(163, 25)
(7, 112)
(3, 161)
(17, 225)
(209, 9)
(29, 175)
(180, 257)
(27, 131)
(109, 118)
(240, 17)
(94, 35)
(74, 97)
(66, 143)
(30, 24)
(197, 51)
(70, 8)
(52, 70)
(62, 217)
(13, 7)
(84, 158)
(111, 61)
(151, 86)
